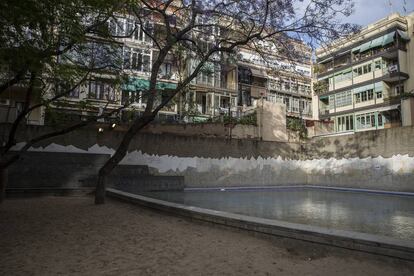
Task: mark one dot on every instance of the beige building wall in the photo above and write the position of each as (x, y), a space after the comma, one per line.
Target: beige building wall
(407, 109)
(271, 120)
(410, 54)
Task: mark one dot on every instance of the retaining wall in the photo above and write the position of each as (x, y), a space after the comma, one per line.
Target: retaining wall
(381, 159)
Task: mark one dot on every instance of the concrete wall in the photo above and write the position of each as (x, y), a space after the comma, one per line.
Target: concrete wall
(70, 170)
(55, 170)
(382, 159)
(407, 111)
(271, 119)
(205, 130)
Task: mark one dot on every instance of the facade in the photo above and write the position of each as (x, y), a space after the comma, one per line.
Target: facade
(225, 88)
(363, 82)
(276, 79)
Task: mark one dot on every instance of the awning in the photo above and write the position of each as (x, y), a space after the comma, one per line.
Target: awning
(356, 49)
(377, 42)
(388, 38)
(365, 47)
(363, 88)
(343, 72)
(137, 84)
(380, 41)
(379, 109)
(403, 35)
(326, 60)
(258, 73)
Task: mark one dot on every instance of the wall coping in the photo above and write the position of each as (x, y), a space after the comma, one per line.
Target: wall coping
(376, 244)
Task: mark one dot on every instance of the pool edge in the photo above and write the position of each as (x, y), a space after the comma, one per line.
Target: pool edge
(386, 246)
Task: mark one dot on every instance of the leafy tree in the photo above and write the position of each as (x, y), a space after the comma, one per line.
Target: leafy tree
(188, 25)
(50, 48)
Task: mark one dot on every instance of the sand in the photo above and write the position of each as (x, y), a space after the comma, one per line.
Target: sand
(71, 236)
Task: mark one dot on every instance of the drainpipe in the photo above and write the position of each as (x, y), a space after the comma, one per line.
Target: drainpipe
(399, 77)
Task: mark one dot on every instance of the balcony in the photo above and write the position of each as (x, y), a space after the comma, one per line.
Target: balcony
(393, 74)
(390, 52)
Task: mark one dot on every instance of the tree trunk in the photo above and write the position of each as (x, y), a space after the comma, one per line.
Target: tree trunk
(100, 189)
(3, 182)
(118, 156)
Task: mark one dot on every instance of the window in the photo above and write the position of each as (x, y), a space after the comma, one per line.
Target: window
(74, 93)
(137, 59)
(364, 96)
(245, 75)
(379, 95)
(100, 90)
(168, 67)
(206, 76)
(286, 85)
(287, 103)
(343, 99)
(295, 105)
(367, 68)
(370, 94)
(130, 25)
(380, 121)
(130, 97)
(68, 90)
(368, 120)
(344, 123)
(139, 34)
(399, 89)
(244, 97)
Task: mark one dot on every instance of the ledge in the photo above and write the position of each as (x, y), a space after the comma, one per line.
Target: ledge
(403, 249)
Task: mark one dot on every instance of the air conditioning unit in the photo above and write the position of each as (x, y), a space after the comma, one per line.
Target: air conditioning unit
(393, 68)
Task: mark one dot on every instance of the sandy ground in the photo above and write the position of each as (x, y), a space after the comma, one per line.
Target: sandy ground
(71, 236)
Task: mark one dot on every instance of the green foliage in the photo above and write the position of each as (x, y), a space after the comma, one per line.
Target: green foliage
(54, 40)
(297, 125)
(320, 87)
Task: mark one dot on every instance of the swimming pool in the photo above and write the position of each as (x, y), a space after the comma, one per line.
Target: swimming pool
(373, 213)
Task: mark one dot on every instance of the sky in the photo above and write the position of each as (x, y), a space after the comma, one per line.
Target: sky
(369, 11)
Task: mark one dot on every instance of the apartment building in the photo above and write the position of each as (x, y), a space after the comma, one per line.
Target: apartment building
(227, 86)
(254, 77)
(363, 81)
(137, 52)
(279, 79)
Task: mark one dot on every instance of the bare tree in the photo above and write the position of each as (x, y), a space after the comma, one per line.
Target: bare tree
(207, 31)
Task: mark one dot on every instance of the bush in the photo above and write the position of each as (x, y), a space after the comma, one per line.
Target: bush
(297, 125)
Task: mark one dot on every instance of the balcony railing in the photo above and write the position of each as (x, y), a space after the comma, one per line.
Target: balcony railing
(323, 70)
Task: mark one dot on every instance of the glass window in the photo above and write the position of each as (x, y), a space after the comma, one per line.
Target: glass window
(370, 94)
(351, 120)
(364, 96)
(380, 122)
(379, 95)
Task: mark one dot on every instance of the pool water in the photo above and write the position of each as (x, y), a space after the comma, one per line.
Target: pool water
(380, 214)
